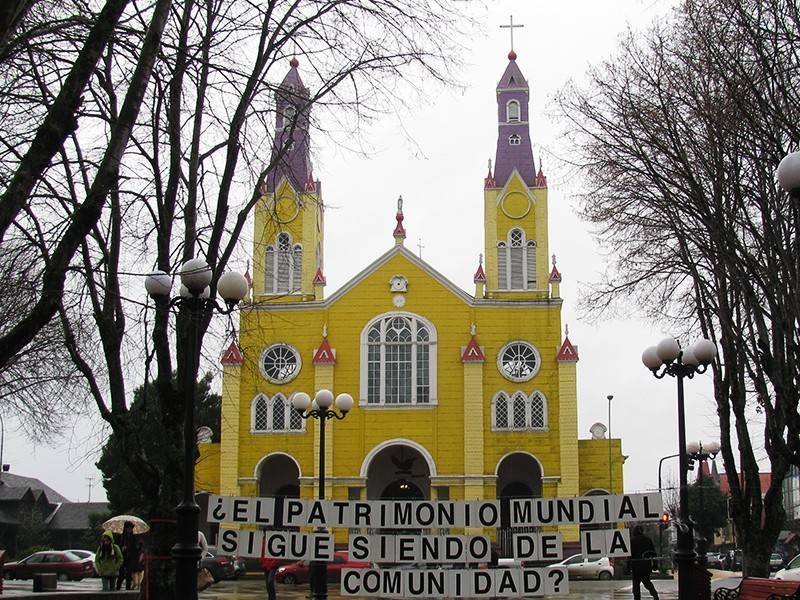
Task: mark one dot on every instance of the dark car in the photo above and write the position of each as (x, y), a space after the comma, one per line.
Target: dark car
(221, 567)
(65, 565)
(239, 565)
(714, 560)
(298, 572)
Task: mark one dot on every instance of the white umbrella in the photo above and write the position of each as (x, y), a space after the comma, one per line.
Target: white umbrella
(116, 524)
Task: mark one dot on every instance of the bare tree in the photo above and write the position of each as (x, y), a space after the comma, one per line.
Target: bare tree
(679, 135)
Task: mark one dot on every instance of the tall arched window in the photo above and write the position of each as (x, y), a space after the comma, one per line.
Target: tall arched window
(274, 415)
(284, 266)
(398, 361)
(519, 412)
(516, 262)
(512, 111)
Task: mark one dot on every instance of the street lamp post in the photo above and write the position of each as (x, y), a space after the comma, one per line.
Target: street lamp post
(610, 397)
(696, 451)
(196, 303)
(668, 358)
(321, 410)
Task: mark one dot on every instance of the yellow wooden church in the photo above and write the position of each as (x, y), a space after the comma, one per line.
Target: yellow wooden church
(457, 395)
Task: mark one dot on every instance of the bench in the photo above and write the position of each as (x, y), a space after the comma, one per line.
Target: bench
(757, 588)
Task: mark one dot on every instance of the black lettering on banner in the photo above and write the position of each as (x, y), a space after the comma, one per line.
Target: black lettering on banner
(544, 511)
(298, 544)
(415, 583)
(406, 546)
(253, 547)
(343, 518)
(351, 582)
(531, 583)
(618, 542)
(593, 543)
(605, 501)
(566, 510)
(585, 511)
(627, 510)
(293, 510)
(453, 548)
(556, 581)
(392, 582)
(361, 517)
(505, 583)
(446, 515)
(655, 511)
(457, 584)
(429, 548)
(230, 541)
(322, 547)
(265, 508)
(436, 582)
(488, 514)
(479, 548)
(525, 546)
(550, 546)
(276, 545)
(239, 510)
(371, 581)
(521, 512)
(218, 507)
(424, 513)
(481, 583)
(316, 515)
(402, 514)
(358, 547)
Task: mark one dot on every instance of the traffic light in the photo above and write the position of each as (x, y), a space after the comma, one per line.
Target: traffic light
(664, 520)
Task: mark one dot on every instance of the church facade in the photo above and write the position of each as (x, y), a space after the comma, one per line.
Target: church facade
(457, 395)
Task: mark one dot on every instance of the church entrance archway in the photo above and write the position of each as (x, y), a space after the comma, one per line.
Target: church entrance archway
(279, 477)
(398, 471)
(519, 475)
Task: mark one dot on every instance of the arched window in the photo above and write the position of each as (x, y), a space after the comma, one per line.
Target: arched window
(512, 111)
(514, 140)
(519, 412)
(284, 266)
(398, 361)
(516, 262)
(274, 415)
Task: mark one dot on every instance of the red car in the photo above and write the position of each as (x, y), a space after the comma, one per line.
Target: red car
(66, 565)
(299, 572)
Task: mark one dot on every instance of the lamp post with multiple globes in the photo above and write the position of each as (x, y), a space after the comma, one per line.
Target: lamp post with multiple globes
(321, 410)
(697, 451)
(195, 302)
(668, 358)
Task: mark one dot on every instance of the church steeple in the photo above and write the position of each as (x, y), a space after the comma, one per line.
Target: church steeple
(513, 134)
(291, 132)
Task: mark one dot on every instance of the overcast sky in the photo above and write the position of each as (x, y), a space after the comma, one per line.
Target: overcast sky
(440, 176)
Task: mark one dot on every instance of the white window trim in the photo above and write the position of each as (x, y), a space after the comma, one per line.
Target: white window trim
(505, 246)
(509, 398)
(286, 416)
(536, 353)
(272, 379)
(514, 140)
(508, 111)
(432, 366)
(294, 286)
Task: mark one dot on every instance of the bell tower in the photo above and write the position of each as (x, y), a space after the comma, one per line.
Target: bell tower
(515, 199)
(287, 247)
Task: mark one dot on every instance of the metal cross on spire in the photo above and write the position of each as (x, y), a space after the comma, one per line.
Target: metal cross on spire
(511, 27)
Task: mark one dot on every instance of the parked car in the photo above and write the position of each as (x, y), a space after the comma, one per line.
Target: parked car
(239, 566)
(84, 554)
(592, 568)
(65, 564)
(221, 567)
(714, 560)
(791, 572)
(775, 562)
(298, 572)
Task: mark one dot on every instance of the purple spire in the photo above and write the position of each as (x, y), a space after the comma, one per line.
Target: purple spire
(291, 104)
(513, 135)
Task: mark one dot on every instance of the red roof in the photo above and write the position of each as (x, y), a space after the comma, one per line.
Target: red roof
(555, 276)
(233, 355)
(480, 276)
(567, 352)
(324, 354)
(473, 352)
(319, 278)
(488, 181)
(725, 488)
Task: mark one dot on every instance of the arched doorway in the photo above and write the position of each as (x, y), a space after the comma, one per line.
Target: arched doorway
(398, 471)
(519, 475)
(279, 477)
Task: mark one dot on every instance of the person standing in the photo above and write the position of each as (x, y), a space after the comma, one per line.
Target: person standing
(129, 556)
(270, 567)
(107, 561)
(642, 553)
(138, 569)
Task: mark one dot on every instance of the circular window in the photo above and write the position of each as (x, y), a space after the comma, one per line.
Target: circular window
(280, 363)
(518, 361)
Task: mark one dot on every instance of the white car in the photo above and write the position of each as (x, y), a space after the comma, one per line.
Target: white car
(593, 568)
(791, 572)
